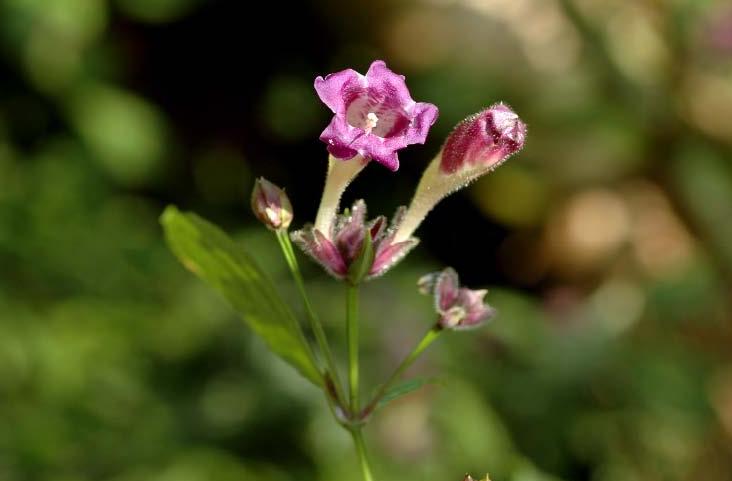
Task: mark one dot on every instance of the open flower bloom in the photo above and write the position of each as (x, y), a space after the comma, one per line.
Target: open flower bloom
(479, 144)
(458, 307)
(375, 115)
(341, 247)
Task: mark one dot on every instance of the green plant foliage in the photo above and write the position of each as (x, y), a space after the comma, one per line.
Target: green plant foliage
(404, 388)
(209, 253)
(361, 265)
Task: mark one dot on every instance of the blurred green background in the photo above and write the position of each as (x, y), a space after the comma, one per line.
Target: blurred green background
(607, 243)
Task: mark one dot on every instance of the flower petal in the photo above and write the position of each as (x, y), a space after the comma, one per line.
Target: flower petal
(340, 138)
(425, 115)
(337, 87)
(391, 85)
(390, 160)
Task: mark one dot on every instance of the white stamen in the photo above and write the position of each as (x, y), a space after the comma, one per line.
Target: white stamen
(371, 121)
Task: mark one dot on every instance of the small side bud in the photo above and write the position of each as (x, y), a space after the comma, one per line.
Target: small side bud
(271, 205)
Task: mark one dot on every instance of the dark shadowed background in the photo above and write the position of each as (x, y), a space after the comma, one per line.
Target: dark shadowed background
(606, 243)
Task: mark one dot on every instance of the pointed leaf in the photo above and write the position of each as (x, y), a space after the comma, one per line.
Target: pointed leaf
(208, 252)
(404, 388)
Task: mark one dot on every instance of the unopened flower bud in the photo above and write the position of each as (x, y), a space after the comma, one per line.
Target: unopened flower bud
(271, 205)
(478, 145)
(458, 307)
(483, 141)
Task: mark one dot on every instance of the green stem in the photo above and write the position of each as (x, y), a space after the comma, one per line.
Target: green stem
(352, 335)
(361, 452)
(428, 339)
(315, 324)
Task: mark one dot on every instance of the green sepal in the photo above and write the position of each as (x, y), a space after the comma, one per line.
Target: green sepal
(361, 265)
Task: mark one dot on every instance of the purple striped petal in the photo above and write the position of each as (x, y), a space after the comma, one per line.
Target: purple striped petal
(375, 115)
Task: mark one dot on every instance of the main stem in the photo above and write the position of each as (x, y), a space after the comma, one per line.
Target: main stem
(428, 339)
(314, 321)
(353, 381)
(352, 335)
(361, 452)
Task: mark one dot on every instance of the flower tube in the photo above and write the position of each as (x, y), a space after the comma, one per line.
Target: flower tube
(479, 144)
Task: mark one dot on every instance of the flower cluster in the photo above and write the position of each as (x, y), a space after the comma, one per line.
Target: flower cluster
(375, 117)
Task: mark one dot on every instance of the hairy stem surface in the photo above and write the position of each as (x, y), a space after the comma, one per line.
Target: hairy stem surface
(352, 335)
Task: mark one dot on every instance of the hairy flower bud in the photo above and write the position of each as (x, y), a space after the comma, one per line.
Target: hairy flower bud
(458, 307)
(271, 205)
(483, 141)
(478, 145)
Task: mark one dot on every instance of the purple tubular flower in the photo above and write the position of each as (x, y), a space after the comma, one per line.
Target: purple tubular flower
(375, 115)
(341, 247)
(478, 145)
(485, 139)
(458, 307)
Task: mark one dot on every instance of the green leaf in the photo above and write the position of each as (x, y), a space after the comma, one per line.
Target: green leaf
(208, 252)
(404, 388)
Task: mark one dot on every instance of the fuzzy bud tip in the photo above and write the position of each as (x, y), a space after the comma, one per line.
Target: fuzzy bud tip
(271, 205)
(483, 140)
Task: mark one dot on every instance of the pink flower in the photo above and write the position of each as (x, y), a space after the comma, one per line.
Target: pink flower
(340, 249)
(458, 307)
(375, 115)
